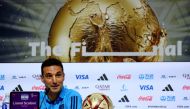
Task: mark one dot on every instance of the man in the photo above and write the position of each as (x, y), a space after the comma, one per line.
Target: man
(56, 96)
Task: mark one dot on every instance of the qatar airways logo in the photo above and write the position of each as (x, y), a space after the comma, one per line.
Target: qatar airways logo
(36, 76)
(42, 87)
(145, 98)
(185, 87)
(102, 87)
(124, 77)
(45, 50)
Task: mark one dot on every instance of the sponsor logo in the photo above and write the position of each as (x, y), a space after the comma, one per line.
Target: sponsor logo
(14, 77)
(2, 77)
(163, 76)
(24, 96)
(103, 78)
(124, 77)
(145, 98)
(82, 87)
(1, 98)
(172, 76)
(17, 77)
(2, 87)
(102, 87)
(146, 76)
(168, 76)
(21, 77)
(186, 98)
(167, 98)
(186, 76)
(146, 87)
(183, 106)
(18, 88)
(36, 76)
(131, 106)
(86, 105)
(41, 87)
(186, 87)
(77, 87)
(155, 106)
(124, 87)
(82, 77)
(168, 88)
(124, 99)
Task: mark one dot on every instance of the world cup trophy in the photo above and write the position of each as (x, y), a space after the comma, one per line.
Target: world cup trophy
(97, 101)
(107, 31)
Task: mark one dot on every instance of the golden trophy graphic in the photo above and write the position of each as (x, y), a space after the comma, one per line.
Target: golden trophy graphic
(107, 31)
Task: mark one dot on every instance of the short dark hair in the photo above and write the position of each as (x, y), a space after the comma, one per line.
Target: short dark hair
(50, 62)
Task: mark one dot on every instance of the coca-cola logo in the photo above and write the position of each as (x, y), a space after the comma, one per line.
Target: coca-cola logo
(124, 76)
(41, 87)
(186, 87)
(1, 98)
(145, 98)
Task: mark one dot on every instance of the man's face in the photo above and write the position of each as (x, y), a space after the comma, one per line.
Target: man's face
(53, 78)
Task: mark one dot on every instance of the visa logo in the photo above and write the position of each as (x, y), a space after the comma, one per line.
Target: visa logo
(82, 77)
(146, 87)
(2, 87)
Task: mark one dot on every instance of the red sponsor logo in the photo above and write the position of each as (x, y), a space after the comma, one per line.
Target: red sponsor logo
(127, 76)
(1, 98)
(42, 87)
(186, 87)
(145, 98)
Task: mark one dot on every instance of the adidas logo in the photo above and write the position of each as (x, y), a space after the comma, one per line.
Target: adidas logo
(86, 105)
(103, 78)
(18, 88)
(168, 88)
(124, 99)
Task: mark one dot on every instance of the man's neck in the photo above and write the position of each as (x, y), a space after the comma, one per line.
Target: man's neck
(53, 96)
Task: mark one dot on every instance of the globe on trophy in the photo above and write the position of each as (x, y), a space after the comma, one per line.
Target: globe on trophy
(107, 31)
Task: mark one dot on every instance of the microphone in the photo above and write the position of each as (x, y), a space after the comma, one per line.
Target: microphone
(46, 92)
